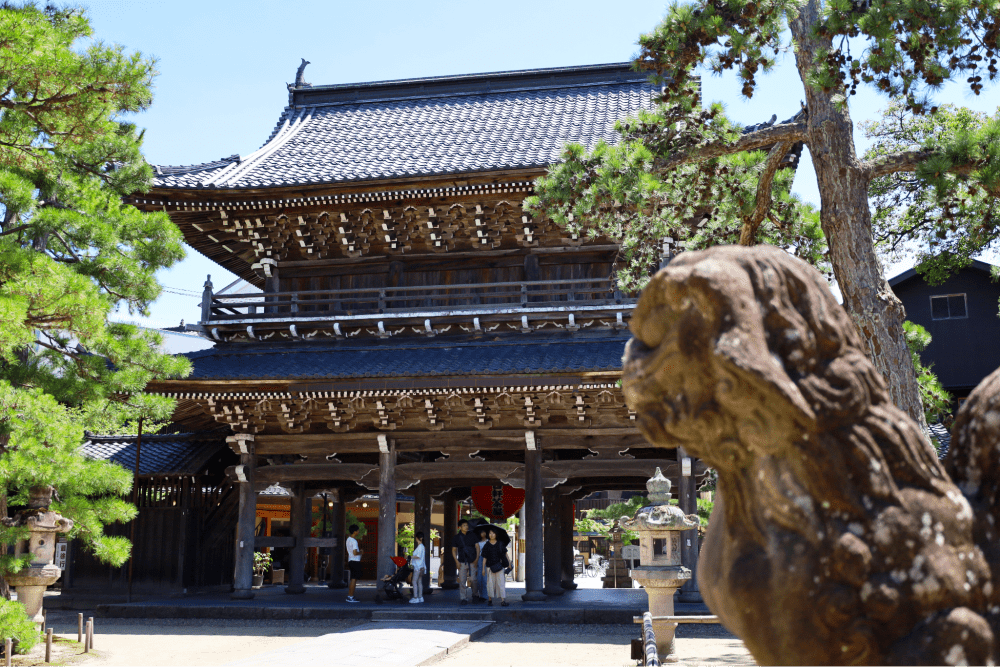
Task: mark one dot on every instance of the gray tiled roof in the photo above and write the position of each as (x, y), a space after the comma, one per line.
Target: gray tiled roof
(180, 453)
(347, 361)
(475, 123)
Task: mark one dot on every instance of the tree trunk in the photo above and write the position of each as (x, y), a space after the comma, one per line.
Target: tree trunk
(4, 588)
(846, 221)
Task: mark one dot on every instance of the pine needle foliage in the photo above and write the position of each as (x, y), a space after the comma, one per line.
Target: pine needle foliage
(936, 401)
(71, 254)
(939, 219)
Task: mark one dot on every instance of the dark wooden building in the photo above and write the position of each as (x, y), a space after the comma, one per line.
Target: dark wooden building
(961, 315)
(416, 329)
(187, 516)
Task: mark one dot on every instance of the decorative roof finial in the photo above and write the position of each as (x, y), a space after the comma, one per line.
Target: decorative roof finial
(300, 81)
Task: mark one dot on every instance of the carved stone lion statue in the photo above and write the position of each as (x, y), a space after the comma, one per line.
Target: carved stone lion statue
(837, 536)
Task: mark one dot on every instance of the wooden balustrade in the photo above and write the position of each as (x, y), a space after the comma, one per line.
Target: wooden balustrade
(415, 299)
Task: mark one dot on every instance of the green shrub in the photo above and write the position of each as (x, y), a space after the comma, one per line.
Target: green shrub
(15, 624)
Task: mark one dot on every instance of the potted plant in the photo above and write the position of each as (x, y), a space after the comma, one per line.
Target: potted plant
(261, 564)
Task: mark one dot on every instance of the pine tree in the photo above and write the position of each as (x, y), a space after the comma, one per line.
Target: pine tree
(691, 174)
(71, 253)
(941, 230)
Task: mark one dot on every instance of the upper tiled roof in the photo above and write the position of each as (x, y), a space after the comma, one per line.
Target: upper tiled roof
(179, 453)
(423, 127)
(347, 361)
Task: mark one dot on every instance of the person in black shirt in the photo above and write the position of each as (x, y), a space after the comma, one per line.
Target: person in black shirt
(465, 552)
(493, 563)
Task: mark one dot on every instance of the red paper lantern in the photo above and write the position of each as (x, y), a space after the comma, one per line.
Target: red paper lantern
(497, 503)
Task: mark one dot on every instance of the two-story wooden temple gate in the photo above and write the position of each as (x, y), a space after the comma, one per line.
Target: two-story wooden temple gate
(416, 328)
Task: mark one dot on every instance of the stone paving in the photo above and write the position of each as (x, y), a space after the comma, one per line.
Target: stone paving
(387, 643)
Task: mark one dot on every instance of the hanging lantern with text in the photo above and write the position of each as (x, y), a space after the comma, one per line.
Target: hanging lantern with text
(498, 503)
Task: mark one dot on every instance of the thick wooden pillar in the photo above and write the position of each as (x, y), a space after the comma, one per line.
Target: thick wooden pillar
(246, 519)
(449, 577)
(566, 542)
(386, 507)
(300, 520)
(338, 514)
(519, 554)
(422, 504)
(688, 502)
(552, 518)
(533, 557)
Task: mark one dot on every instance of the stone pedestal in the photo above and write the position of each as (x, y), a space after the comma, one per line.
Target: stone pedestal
(661, 582)
(617, 576)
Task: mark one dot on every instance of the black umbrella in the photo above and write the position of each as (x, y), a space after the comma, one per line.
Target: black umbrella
(502, 536)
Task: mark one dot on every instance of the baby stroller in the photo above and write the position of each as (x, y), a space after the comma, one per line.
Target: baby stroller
(392, 585)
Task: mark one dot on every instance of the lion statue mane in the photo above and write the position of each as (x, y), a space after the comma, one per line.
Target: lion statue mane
(837, 536)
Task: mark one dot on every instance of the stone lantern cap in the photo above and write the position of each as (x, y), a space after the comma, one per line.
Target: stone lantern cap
(663, 517)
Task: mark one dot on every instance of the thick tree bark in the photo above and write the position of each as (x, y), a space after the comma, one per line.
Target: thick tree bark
(846, 221)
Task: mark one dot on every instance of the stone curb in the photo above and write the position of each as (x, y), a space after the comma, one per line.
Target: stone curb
(502, 615)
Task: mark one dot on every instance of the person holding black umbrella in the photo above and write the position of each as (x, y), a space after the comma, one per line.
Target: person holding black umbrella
(495, 563)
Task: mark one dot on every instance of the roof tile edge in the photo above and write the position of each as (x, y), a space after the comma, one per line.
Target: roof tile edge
(489, 82)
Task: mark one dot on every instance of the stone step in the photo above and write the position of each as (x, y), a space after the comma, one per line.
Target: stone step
(483, 616)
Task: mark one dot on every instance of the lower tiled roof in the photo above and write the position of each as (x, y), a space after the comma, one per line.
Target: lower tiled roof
(427, 358)
(941, 433)
(178, 453)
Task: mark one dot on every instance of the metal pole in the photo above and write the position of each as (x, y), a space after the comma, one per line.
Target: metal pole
(79, 630)
(48, 645)
(135, 501)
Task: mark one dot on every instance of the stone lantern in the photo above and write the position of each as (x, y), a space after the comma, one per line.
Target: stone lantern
(660, 571)
(43, 524)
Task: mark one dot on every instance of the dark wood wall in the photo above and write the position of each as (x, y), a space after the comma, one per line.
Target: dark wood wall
(963, 351)
(184, 539)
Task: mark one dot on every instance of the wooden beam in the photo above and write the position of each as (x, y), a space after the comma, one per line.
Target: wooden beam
(310, 472)
(274, 542)
(484, 471)
(321, 542)
(423, 441)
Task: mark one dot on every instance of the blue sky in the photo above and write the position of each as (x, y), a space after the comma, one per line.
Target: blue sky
(224, 65)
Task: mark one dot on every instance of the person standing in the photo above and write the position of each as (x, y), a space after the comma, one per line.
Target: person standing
(419, 566)
(353, 560)
(494, 560)
(480, 571)
(465, 551)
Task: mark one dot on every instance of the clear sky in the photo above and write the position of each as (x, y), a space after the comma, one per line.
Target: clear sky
(224, 65)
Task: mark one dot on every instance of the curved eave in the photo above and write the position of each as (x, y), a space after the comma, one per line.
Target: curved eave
(188, 207)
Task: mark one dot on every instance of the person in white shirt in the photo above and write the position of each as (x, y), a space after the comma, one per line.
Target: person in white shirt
(353, 560)
(417, 562)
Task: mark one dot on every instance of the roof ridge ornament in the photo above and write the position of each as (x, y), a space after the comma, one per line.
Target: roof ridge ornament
(300, 80)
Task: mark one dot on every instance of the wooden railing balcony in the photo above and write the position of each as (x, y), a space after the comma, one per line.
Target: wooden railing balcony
(423, 300)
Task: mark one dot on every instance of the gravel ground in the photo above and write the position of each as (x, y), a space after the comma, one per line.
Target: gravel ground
(517, 644)
(176, 642)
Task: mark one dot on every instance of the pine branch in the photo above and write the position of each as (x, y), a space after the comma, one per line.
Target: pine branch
(756, 140)
(748, 233)
(904, 161)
